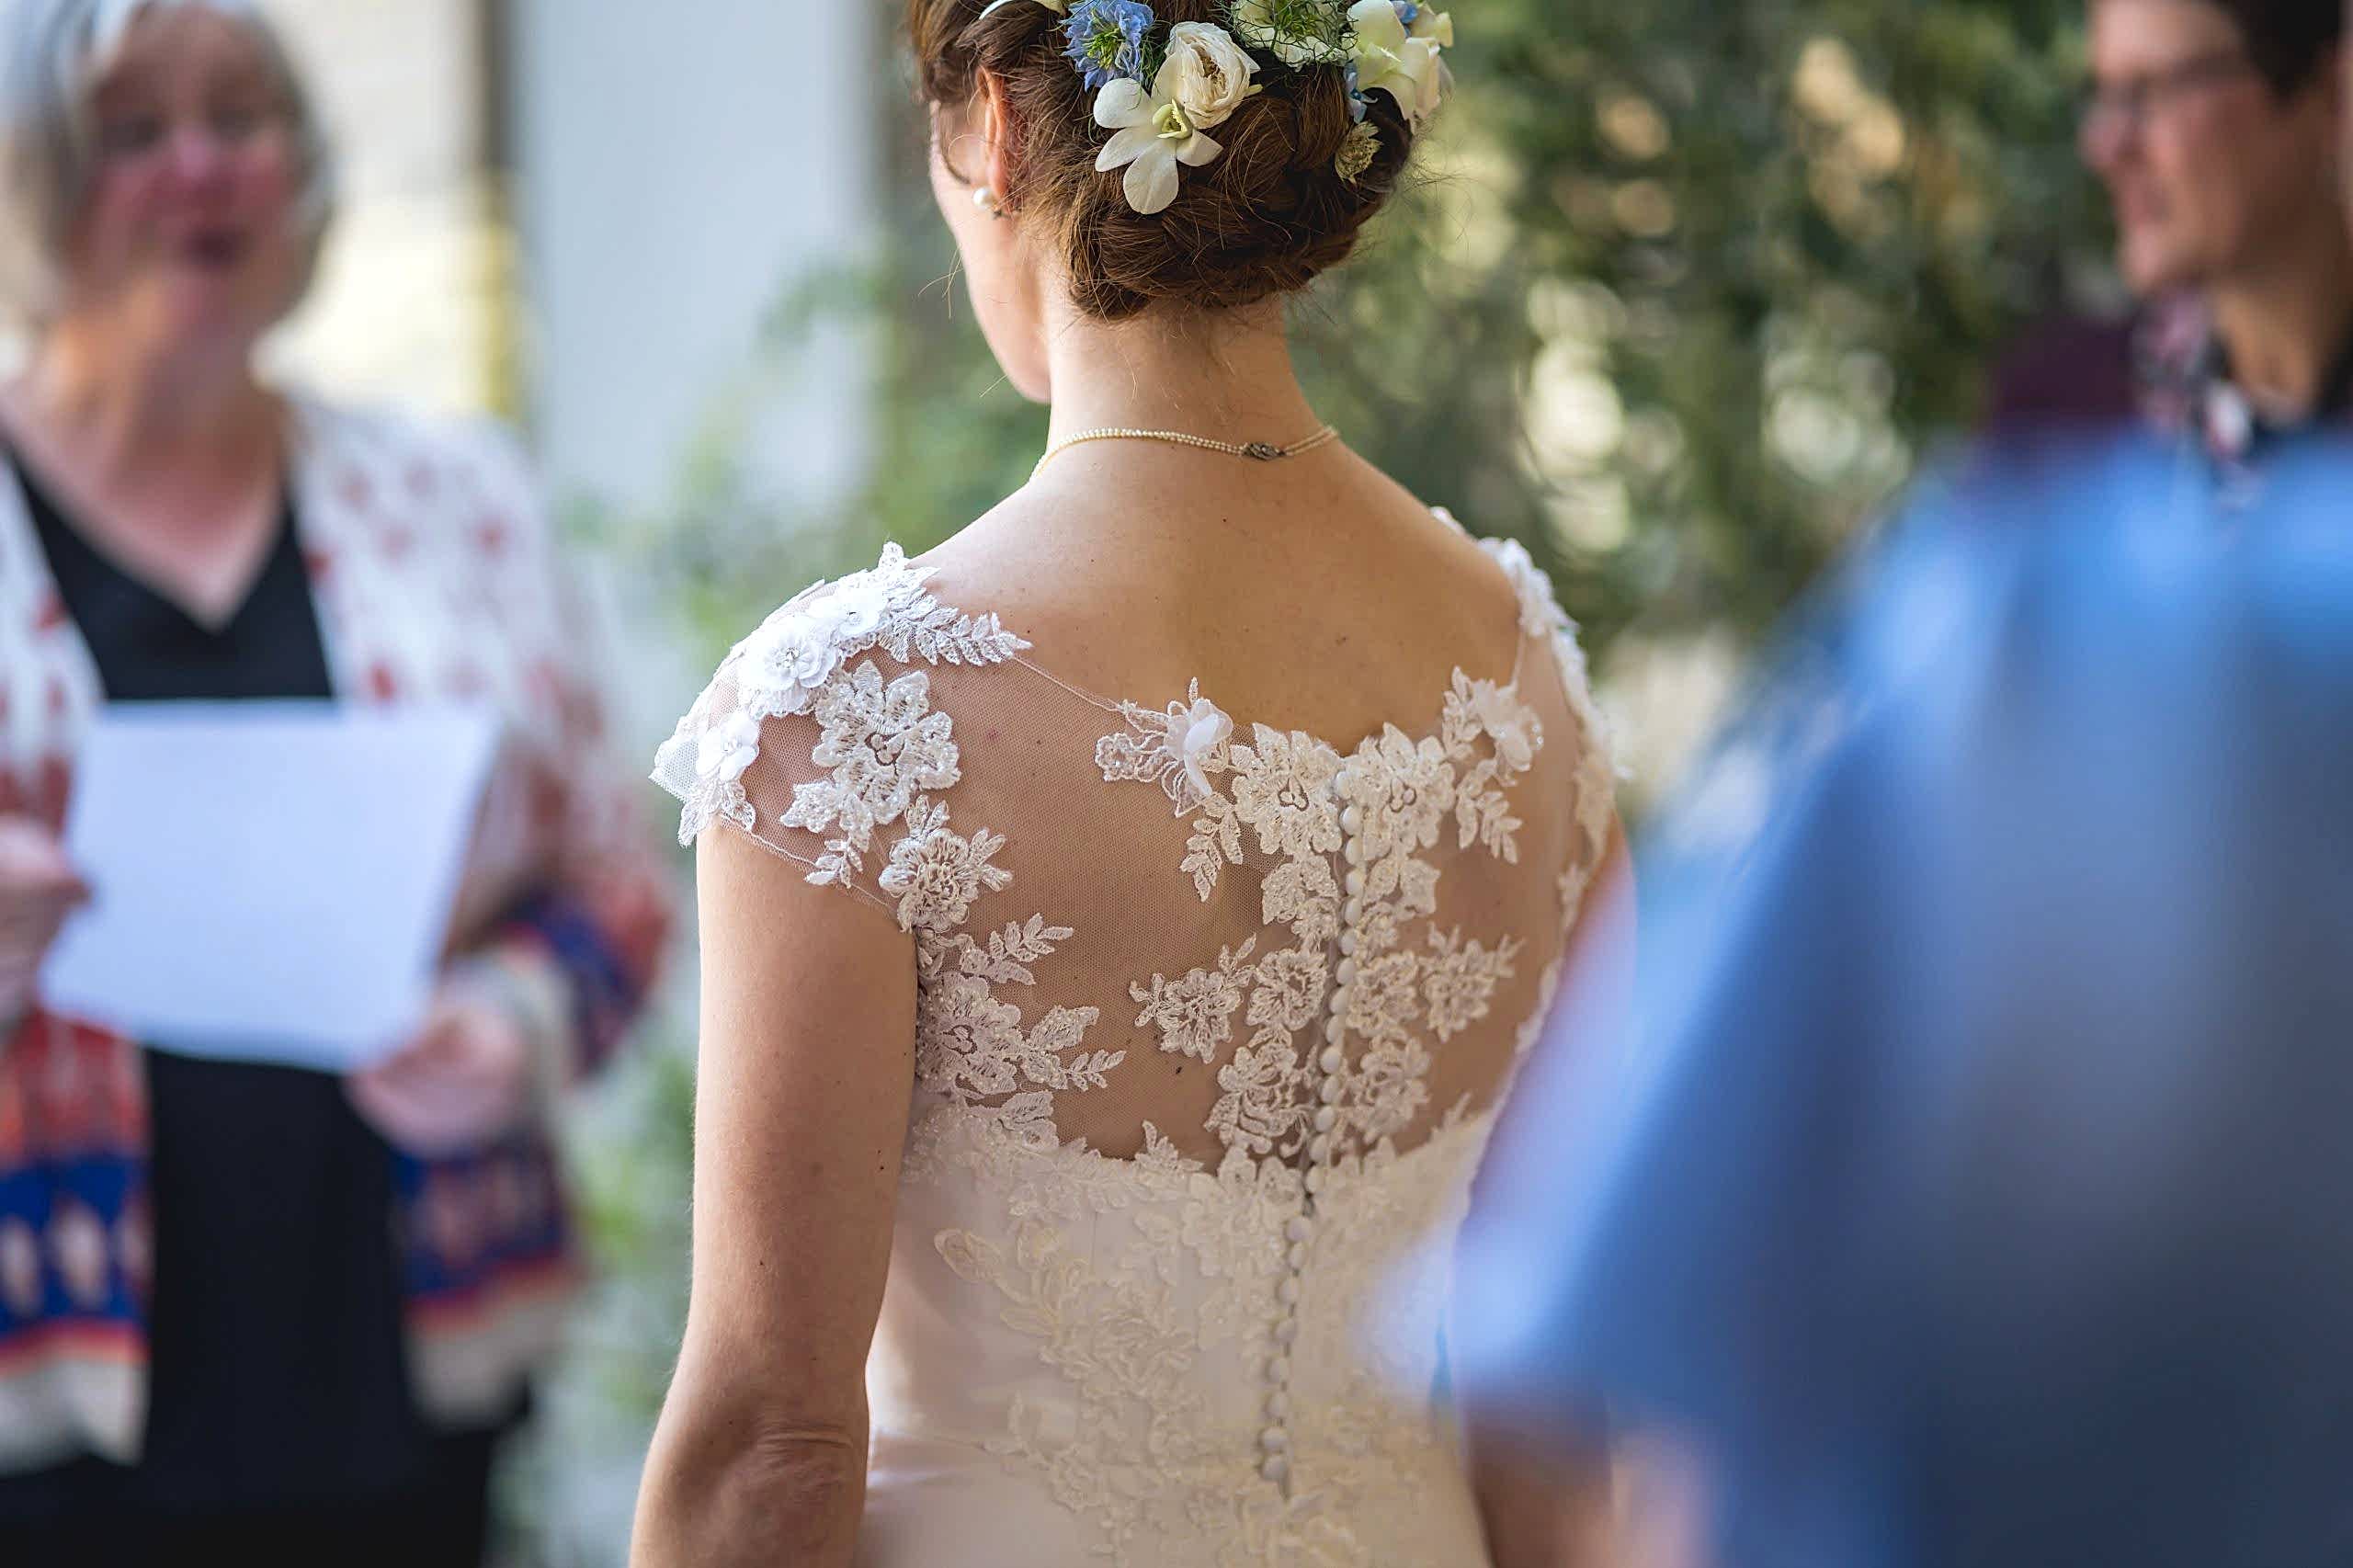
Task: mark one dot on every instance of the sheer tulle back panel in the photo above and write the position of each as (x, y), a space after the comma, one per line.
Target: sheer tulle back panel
(1153, 923)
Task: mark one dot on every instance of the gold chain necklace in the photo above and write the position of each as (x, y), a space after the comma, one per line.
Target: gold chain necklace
(1257, 451)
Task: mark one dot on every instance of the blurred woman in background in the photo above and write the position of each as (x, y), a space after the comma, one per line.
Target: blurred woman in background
(2217, 127)
(244, 1307)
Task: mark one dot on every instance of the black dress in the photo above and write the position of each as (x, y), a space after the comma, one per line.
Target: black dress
(280, 1425)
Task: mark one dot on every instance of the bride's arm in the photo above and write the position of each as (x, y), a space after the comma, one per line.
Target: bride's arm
(800, 1106)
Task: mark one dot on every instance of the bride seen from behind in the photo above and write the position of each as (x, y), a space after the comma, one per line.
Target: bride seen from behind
(1121, 925)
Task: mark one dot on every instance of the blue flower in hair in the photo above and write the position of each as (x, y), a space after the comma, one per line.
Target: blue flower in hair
(1107, 39)
(1357, 104)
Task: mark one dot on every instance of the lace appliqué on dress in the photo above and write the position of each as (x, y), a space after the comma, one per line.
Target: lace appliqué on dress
(1540, 616)
(889, 757)
(1136, 1453)
(786, 668)
(1195, 1015)
(1297, 799)
(1139, 1279)
(1167, 748)
(885, 746)
(970, 1047)
(1143, 1458)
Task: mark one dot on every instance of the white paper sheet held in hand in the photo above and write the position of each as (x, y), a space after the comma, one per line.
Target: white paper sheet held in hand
(272, 880)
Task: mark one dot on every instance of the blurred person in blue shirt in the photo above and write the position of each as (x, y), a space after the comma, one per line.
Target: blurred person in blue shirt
(1977, 1191)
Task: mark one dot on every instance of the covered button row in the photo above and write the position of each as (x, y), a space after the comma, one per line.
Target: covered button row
(1274, 1441)
(1300, 1229)
(1299, 1232)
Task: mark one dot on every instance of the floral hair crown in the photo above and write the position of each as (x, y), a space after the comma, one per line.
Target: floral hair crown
(1198, 74)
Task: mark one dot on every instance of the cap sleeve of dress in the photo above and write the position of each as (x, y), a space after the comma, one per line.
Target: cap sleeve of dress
(819, 734)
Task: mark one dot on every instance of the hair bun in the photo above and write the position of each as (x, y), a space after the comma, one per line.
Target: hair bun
(1265, 217)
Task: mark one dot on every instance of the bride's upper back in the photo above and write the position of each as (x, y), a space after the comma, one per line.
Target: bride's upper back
(1311, 593)
(1239, 826)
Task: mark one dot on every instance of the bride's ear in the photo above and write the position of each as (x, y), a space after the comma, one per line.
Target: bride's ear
(999, 130)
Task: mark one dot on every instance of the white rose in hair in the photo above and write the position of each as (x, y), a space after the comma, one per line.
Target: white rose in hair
(1204, 81)
(1207, 74)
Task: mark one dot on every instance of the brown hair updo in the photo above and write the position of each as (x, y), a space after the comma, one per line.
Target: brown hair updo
(1262, 220)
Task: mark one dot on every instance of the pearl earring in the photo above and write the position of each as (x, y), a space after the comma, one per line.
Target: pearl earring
(984, 197)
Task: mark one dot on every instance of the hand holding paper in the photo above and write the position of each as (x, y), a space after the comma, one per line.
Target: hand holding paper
(273, 880)
(464, 1079)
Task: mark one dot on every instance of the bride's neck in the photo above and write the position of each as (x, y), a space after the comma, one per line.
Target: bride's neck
(1227, 376)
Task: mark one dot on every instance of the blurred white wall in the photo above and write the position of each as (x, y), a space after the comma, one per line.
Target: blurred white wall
(410, 292)
(674, 166)
(670, 168)
(677, 164)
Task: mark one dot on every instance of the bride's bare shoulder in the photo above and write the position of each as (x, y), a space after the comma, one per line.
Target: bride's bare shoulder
(1038, 568)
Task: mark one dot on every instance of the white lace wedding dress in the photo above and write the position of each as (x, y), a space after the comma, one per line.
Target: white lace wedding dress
(1213, 1022)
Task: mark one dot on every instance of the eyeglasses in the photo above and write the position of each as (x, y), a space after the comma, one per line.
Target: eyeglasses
(128, 131)
(2128, 104)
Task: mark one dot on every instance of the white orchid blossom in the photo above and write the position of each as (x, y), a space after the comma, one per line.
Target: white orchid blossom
(1204, 80)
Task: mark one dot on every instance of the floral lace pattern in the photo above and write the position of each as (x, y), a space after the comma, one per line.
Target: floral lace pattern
(1293, 795)
(969, 1046)
(1459, 979)
(1167, 749)
(1540, 616)
(789, 664)
(1141, 1456)
(1144, 1283)
(885, 746)
(1195, 1015)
